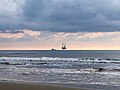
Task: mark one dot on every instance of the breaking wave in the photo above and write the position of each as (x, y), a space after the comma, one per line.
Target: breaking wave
(47, 60)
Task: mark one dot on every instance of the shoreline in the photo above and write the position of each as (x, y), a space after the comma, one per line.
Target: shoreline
(16, 85)
(21, 85)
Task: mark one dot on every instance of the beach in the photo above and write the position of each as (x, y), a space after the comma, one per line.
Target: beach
(10, 85)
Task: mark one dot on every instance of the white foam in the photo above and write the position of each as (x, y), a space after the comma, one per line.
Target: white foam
(57, 60)
(36, 58)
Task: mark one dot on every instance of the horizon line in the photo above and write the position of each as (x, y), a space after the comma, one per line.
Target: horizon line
(59, 50)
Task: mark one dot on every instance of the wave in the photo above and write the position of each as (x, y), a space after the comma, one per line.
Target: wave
(99, 70)
(50, 60)
(106, 69)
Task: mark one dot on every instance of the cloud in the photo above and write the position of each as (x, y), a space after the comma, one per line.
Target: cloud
(22, 35)
(60, 15)
(18, 35)
(74, 15)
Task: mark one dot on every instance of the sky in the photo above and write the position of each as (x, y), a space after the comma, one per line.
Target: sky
(46, 24)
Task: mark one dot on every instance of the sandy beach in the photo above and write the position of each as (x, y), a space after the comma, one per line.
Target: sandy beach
(4, 85)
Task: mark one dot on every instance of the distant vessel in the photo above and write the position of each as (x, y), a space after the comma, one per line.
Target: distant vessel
(53, 49)
(63, 46)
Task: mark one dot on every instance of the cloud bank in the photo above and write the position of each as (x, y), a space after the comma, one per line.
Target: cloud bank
(60, 15)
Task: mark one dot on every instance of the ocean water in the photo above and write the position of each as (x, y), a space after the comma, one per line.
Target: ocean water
(93, 69)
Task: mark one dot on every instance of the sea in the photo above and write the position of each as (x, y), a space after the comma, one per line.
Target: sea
(96, 69)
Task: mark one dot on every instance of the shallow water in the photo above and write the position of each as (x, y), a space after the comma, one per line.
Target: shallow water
(72, 68)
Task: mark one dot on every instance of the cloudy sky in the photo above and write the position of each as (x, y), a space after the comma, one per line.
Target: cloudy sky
(45, 24)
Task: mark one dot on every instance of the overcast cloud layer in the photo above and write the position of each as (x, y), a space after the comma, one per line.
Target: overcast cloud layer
(60, 15)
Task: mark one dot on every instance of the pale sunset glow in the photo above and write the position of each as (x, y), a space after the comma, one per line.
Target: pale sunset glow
(43, 40)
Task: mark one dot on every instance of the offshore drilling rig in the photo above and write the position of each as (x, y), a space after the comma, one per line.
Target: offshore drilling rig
(64, 46)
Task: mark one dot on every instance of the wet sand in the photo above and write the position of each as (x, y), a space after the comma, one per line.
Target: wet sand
(5, 85)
